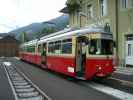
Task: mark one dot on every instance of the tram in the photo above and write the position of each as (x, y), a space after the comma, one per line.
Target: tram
(82, 54)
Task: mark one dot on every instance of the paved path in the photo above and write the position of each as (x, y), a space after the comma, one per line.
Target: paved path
(124, 70)
(5, 89)
(124, 73)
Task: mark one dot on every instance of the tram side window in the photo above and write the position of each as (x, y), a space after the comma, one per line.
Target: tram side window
(24, 49)
(57, 47)
(31, 49)
(51, 47)
(101, 47)
(54, 47)
(39, 48)
(106, 46)
(67, 46)
(93, 47)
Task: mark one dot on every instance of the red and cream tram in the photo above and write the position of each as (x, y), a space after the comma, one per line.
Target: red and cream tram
(83, 54)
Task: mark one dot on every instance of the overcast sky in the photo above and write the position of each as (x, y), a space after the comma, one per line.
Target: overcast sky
(18, 13)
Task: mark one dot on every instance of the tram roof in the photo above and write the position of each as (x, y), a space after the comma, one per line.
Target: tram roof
(33, 42)
(64, 34)
(79, 32)
(59, 32)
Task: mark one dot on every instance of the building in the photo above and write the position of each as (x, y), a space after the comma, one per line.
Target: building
(117, 14)
(9, 46)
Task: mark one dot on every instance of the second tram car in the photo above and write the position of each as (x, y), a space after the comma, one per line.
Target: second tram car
(83, 54)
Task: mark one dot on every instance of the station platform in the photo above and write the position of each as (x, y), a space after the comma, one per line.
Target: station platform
(124, 73)
(124, 70)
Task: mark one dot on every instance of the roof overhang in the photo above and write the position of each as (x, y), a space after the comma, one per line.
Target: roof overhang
(65, 10)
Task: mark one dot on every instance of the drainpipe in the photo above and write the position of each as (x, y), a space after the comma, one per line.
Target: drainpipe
(117, 39)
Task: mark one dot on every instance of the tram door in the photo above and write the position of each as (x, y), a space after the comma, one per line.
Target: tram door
(43, 54)
(80, 55)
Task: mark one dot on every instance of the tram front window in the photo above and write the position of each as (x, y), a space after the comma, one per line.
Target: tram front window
(101, 47)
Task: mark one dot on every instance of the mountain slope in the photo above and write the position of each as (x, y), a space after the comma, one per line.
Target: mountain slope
(35, 30)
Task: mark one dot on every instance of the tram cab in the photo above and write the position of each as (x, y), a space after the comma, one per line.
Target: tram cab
(94, 54)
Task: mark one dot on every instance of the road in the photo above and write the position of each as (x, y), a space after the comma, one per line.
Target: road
(58, 87)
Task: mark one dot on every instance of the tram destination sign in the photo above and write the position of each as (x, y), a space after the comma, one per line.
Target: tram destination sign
(100, 35)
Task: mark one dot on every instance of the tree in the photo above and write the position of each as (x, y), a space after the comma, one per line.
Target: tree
(23, 37)
(48, 30)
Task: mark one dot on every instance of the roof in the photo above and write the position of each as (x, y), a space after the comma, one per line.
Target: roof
(7, 36)
(3, 34)
(64, 10)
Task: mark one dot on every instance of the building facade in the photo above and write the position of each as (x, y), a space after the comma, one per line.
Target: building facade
(117, 14)
(9, 46)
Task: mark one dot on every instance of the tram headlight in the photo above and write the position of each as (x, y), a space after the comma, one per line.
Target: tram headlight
(98, 68)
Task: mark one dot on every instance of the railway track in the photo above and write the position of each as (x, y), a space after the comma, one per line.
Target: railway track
(102, 87)
(22, 86)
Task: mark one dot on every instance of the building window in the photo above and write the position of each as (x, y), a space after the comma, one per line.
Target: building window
(129, 49)
(132, 3)
(124, 3)
(103, 7)
(89, 11)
